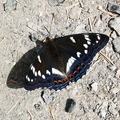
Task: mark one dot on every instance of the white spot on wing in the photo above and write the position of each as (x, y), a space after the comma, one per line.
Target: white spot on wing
(39, 59)
(85, 45)
(78, 54)
(69, 63)
(33, 69)
(98, 36)
(39, 73)
(43, 76)
(87, 37)
(88, 42)
(27, 78)
(31, 80)
(72, 39)
(85, 51)
(55, 71)
(96, 41)
(35, 73)
(48, 72)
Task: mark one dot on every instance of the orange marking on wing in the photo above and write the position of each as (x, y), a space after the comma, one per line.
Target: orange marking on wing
(81, 64)
(74, 72)
(55, 81)
(64, 79)
(59, 81)
(78, 68)
(70, 76)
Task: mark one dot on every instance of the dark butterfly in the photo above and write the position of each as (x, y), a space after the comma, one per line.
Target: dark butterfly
(63, 60)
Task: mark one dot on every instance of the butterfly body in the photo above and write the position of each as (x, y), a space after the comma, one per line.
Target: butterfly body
(63, 60)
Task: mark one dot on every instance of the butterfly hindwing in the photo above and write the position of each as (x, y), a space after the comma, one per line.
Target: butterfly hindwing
(81, 48)
(44, 72)
(64, 59)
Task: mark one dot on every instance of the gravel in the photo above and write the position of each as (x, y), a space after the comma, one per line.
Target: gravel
(115, 24)
(112, 7)
(50, 18)
(70, 105)
(116, 45)
(10, 5)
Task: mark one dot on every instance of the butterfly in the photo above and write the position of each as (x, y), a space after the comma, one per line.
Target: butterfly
(63, 60)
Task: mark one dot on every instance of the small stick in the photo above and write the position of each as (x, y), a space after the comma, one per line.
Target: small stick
(107, 59)
(89, 20)
(31, 116)
(71, 6)
(1, 39)
(12, 107)
(95, 20)
(109, 13)
(81, 3)
(51, 112)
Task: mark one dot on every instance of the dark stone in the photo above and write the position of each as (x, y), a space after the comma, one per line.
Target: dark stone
(113, 8)
(38, 106)
(70, 105)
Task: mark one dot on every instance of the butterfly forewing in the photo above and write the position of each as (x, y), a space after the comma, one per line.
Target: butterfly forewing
(44, 72)
(63, 60)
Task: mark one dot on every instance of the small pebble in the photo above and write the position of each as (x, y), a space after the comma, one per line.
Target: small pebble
(75, 13)
(115, 90)
(70, 105)
(87, 28)
(46, 97)
(103, 113)
(113, 8)
(10, 5)
(115, 24)
(104, 16)
(98, 23)
(114, 35)
(34, 37)
(61, 1)
(1, 113)
(80, 28)
(118, 73)
(94, 86)
(55, 2)
(111, 67)
(116, 45)
(38, 106)
(112, 109)
(103, 109)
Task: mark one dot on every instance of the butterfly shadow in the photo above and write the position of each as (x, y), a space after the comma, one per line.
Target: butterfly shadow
(17, 74)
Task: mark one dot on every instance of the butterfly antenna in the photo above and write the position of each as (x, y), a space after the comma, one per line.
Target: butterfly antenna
(49, 31)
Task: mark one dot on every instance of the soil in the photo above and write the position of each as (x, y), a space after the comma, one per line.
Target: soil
(96, 94)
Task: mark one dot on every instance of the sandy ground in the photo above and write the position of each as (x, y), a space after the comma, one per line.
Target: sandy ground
(97, 94)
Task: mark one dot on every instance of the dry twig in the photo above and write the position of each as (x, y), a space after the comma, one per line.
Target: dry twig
(51, 112)
(109, 13)
(107, 59)
(71, 6)
(90, 23)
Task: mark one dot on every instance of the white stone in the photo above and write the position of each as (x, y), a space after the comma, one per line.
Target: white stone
(94, 86)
